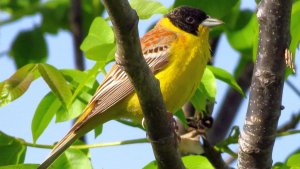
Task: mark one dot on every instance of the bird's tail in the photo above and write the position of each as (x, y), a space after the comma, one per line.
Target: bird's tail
(58, 149)
(74, 133)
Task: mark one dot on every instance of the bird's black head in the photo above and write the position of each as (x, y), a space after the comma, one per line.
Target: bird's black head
(187, 18)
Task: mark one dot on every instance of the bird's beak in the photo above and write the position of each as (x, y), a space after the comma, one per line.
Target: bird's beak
(211, 22)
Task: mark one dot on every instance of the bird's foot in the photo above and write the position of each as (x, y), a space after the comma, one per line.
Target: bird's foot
(200, 124)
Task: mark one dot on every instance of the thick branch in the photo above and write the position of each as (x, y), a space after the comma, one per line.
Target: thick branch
(229, 107)
(160, 130)
(259, 131)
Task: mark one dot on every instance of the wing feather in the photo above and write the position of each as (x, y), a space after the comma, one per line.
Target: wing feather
(116, 86)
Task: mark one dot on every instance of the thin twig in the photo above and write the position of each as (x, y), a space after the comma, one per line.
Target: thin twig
(87, 146)
(214, 156)
(293, 87)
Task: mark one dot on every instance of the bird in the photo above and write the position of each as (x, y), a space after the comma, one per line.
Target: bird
(176, 50)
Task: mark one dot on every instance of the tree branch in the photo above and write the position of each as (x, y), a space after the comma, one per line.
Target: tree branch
(259, 131)
(293, 87)
(160, 129)
(77, 32)
(213, 156)
(291, 124)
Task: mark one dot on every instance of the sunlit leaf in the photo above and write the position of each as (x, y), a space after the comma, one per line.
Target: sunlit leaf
(226, 77)
(293, 161)
(196, 162)
(12, 151)
(104, 53)
(199, 99)
(72, 158)
(206, 92)
(56, 82)
(43, 115)
(146, 8)
(99, 44)
(295, 27)
(90, 76)
(190, 162)
(88, 86)
(17, 84)
(21, 166)
(209, 83)
(280, 166)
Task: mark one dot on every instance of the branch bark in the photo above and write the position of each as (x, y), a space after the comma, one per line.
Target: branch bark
(160, 128)
(259, 130)
(214, 156)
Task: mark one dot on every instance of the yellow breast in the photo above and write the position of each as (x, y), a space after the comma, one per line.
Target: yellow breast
(182, 75)
(187, 61)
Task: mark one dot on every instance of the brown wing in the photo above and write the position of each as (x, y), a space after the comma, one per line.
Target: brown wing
(116, 86)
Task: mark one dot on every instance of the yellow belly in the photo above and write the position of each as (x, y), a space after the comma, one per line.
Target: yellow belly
(178, 80)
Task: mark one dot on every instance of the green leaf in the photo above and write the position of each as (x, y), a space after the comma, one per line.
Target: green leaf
(29, 47)
(190, 162)
(180, 115)
(226, 77)
(12, 151)
(99, 44)
(89, 85)
(91, 75)
(77, 76)
(56, 82)
(43, 115)
(215, 8)
(72, 158)
(51, 105)
(21, 166)
(146, 8)
(280, 166)
(151, 165)
(196, 162)
(294, 161)
(199, 99)
(104, 53)
(90, 10)
(241, 36)
(295, 27)
(18, 7)
(55, 15)
(75, 109)
(98, 130)
(206, 92)
(209, 84)
(17, 84)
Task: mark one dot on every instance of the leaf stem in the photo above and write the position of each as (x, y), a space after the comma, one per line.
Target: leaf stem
(87, 146)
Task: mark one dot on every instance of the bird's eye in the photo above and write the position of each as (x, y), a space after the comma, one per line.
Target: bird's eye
(190, 20)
